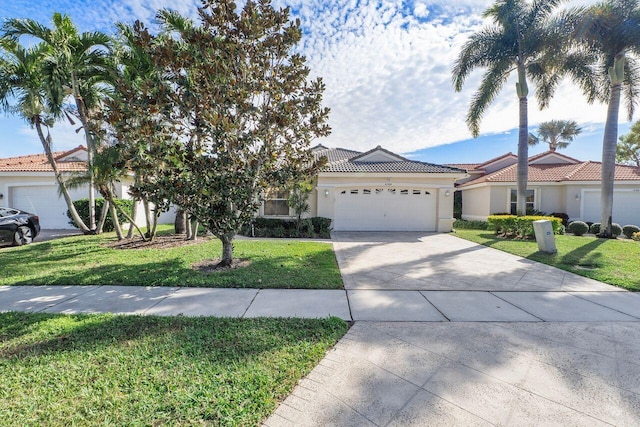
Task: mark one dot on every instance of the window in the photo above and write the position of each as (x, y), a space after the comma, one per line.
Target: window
(276, 203)
(404, 192)
(354, 191)
(530, 199)
(416, 192)
(366, 191)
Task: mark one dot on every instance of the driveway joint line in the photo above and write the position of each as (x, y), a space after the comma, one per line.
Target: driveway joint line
(250, 303)
(602, 305)
(433, 305)
(175, 291)
(514, 305)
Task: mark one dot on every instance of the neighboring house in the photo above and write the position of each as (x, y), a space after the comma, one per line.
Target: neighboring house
(376, 191)
(557, 183)
(28, 183)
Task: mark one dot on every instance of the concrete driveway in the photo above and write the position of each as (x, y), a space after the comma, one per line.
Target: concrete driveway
(525, 344)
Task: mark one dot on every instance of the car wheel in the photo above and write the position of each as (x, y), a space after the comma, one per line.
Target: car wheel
(22, 236)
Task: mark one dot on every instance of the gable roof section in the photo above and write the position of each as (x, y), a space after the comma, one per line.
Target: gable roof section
(340, 160)
(39, 162)
(559, 172)
(551, 157)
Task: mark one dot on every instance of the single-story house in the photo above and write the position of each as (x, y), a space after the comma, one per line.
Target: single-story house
(373, 191)
(377, 190)
(557, 183)
(28, 183)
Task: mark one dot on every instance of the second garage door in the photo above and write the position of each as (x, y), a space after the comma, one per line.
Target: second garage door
(626, 207)
(385, 209)
(43, 200)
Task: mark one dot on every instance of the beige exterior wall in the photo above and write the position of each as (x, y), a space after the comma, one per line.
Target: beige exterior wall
(551, 198)
(475, 203)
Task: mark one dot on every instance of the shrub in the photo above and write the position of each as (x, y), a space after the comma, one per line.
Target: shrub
(636, 236)
(82, 206)
(521, 226)
(616, 229)
(563, 216)
(462, 224)
(278, 227)
(628, 230)
(595, 228)
(578, 228)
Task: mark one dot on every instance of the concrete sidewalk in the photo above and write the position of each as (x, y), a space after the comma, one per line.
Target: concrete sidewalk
(352, 305)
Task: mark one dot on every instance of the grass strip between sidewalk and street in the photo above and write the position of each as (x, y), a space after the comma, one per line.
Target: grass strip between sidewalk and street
(90, 260)
(131, 370)
(612, 261)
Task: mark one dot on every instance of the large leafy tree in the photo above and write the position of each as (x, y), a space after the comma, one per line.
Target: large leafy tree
(611, 32)
(228, 113)
(75, 67)
(557, 133)
(518, 40)
(25, 91)
(628, 148)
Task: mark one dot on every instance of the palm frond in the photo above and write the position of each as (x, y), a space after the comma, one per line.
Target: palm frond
(492, 83)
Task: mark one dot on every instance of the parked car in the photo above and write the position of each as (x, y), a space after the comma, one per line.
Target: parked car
(18, 227)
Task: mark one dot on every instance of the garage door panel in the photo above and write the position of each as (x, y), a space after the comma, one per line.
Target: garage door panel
(385, 209)
(626, 207)
(43, 200)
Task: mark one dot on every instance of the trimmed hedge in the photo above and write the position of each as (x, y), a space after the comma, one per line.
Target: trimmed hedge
(629, 230)
(463, 224)
(594, 228)
(82, 206)
(521, 226)
(578, 228)
(616, 229)
(316, 227)
(563, 216)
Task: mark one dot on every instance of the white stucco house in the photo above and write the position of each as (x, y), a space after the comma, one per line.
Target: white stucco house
(377, 190)
(557, 183)
(373, 191)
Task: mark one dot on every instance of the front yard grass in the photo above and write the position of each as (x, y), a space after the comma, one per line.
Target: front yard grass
(131, 370)
(612, 261)
(86, 260)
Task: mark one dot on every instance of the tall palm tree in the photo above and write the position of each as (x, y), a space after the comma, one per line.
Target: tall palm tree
(611, 31)
(519, 40)
(24, 91)
(75, 66)
(557, 133)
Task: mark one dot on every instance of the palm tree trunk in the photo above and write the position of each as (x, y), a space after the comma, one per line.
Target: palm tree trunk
(103, 217)
(523, 158)
(63, 188)
(609, 143)
(91, 147)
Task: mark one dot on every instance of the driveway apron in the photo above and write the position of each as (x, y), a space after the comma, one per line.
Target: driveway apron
(450, 333)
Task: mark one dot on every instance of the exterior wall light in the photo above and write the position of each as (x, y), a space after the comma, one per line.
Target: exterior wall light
(577, 196)
(326, 193)
(1, 196)
(446, 193)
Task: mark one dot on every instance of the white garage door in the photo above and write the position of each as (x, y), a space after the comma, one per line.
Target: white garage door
(385, 209)
(43, 200)
(626, 207)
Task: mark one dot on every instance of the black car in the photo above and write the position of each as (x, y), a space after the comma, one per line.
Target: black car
(18, 227)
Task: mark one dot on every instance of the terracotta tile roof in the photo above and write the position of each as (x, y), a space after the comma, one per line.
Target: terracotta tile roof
(562, 172)
(39, 163)
(466, 166)
(343, 160)
(495, 159)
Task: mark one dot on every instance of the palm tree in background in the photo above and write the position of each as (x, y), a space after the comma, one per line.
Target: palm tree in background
(25, 91)
(519, 40)
(76, 66)
(611, 32)
(557, 133)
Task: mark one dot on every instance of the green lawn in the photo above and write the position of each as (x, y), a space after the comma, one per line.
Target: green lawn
(613, 261)
(129, 370)
(85, 260)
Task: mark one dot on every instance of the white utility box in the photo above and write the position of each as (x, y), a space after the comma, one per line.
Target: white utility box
(544, 236)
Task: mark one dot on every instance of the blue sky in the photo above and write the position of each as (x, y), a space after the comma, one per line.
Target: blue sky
(386, 65)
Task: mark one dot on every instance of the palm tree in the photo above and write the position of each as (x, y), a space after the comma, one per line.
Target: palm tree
(76, 66)
(24, 91)
(519, 40)
(557, 133)
(611, 31)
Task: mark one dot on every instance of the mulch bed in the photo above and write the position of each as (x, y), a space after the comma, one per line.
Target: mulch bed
(159, 242)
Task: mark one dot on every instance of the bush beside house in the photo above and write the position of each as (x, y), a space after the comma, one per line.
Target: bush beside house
(82, 206)
(521, 226)
(316, 227)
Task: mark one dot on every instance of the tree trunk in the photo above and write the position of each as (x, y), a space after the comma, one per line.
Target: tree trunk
(103, 218)
(523, 159)
(227, 250)
(609, 143)
(116, 221)
(147, 217)
(193, 227)
(180, 223)
(46, 144)
(132, 224)
(91, 146)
